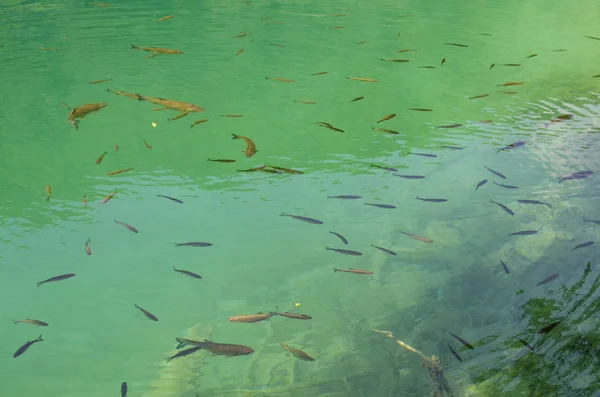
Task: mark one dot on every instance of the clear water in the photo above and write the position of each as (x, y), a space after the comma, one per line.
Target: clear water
(97, 339)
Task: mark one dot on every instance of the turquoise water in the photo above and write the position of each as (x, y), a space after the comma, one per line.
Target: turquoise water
(97, 339)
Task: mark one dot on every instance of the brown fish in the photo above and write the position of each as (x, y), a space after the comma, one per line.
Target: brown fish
(123, 93)
(116, 148)
(306, 102)
(180, 115)
(100, 81)
(329, 126)
(355, 271)
(32, 322)
(286, 170)
(131, 228)
(87, 247)
(99, 159)
(510, 83)
(251, 318)
(221, 349)
(48, 192)
(81, 111)
(156, 50)
(146, 144)
(318, 73)
(164, 18)
(105, 199)
(147, 313)
(183, 107)
(508, 92)
(420, 238)
(279, 45)
(295, 316)
(242, 34)
(254, 169)
(363, 79)
(386, 130)
(119, 171)
(280, 79)
(250, 146)
(297, 353)
(362, 42)
(198, 122)
(387, 117)
(84, 200)
(479, 96)
(239, 52)
(421, 109)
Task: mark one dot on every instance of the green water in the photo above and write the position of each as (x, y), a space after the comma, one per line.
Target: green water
(97, 339)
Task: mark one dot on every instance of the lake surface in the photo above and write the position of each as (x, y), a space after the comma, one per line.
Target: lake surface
(523, 309)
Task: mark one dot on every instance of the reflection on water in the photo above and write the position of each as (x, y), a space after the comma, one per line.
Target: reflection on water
(460, 286)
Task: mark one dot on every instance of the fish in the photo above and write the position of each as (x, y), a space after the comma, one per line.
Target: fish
(250, 146)
(170, 198)
(410, 176)
(362, 42)
(147, 313)
(183, 107)
(221, 349)
(506, 186)
(590, 220)
(548, 279)
(242, 34)
(280, 79)
(532, 55)
(183, 353)
(387, 117)
(187, 273)
(575, 175)
(357, 99)
(480, 184)
(32, 322)
(131, 228)
(156, 50)
(355, 271)
(508, 92)
(124, 389)
(363, 79)
(56, 278)
(422, 154)
(251, 318)
(449, 126)
(164, 18)
(100, 81)
(282, 46)
(265, 18)
(460, 340)
(116, 148)
(26, 346)
(510, 83)
(327, 125)
(146, 144)
(303, 219)
(318, 73)
(560, 50)
(81, 111)
(344, 251)
(385, 130)
(232, 115)
(396, 60)
(523, 233)
(87, 248)
(222, 160)
(457, 44)
(119, 171)
(598, 75)
(340, 237)
(338, 27)
(549, 328)
(388, 206)
(239, 52)
(406, 50)
(286, 170)
(345, 197)
(592, 37)
(193, 244)
(534, 202)
(452, 147)
(384, 168)
(505, 208)
(495, 172)
(479, 96)
(504, 266)
(254, 169)
(420, 238)
(387, 251)
(443, 61)
(84, 201)
(297, 353)
(198, 122)
(432, 200)
(99, 159)
(123, 93)
(48, 48)
(180, 115)
(513, 145)
(426, 67)
(583, 245)
(526, 344)
(306, 102)
(48, 192)
(295, 316)
(421, 109)
(454, 353)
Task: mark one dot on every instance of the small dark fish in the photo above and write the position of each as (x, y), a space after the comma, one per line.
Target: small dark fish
(511, 64)
(355, 271)
(532, 55)
(480, 184)
(384, 168)
(575, 175)
(303, 219)
(187, 273)
(513, 145)
(57, 278)
(590, 220)
(454, 353)
(26, 346)
(504, 267)
(505, 208)
(193, 244)
(523, 233)
(420, 238)
(222, 160)
(345, 197)
(492, 65)
(560, 50)
(479, 96)
(583, 245)
(124, 389)
(506, 186)
(133, 229)
(495, 172)
(449, 126)
(549, 328)
(186, 352)
(357, 99)
(410, 176)
(345, 252)
(548, 279)
(421, 109)
(387, 251)
(295, 316)
(459, 339)
(457, 45)
(432, 200)
(170, 198)
(422, 154)
(425, 67)
(453, 147)
(526, 344)
(147, 313)
(388, 206)
(340, 237)
(592, 37)
(297, 353)
(443, 61)
(534, 202)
